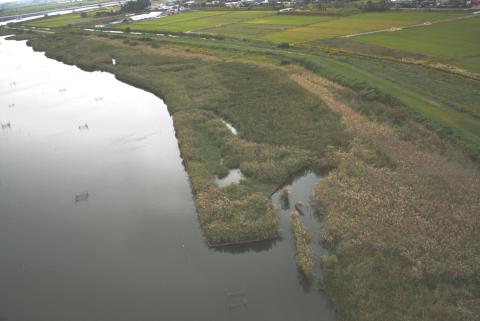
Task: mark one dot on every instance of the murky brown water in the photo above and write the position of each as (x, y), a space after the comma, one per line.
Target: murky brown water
(132, 249)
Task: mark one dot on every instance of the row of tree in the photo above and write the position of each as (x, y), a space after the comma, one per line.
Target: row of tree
(137, 5)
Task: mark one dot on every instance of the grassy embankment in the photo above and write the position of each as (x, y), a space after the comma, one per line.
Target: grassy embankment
(284, 129)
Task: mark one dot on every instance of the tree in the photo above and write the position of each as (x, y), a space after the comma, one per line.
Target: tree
(138, 5)
(83, 14)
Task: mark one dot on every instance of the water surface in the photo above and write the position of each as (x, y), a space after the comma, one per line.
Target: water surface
(133, 249)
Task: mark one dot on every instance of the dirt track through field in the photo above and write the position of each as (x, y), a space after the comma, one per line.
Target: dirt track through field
(406, 153)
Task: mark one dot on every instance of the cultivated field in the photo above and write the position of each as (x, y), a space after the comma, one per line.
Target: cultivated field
(269, 26)
(356, 24)
(66, 20)
(454, 42)
(196, 20)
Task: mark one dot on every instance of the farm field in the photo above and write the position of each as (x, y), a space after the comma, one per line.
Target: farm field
(65, 20)
(196, 20)
(60, 21)
(356, 24)
(268, 26)
(454, 42)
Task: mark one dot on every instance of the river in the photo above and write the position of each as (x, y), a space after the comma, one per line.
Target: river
(97, 221)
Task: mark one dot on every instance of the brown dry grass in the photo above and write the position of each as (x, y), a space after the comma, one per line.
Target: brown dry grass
(161, 51)
(402, 222)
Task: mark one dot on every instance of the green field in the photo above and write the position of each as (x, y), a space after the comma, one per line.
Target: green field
(454, 42)
(268, 26)
(446, 102)
(356, 24)
(65, 20)
(196, 20)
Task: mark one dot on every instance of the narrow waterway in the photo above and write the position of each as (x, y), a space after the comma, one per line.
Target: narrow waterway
(97, 221)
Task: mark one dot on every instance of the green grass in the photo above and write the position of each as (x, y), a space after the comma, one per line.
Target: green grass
(196, 20)
(268, 26)
(63, 20)
(356, 24)
(454, 42)
(290, 20)
(449, 105)
(245, 30)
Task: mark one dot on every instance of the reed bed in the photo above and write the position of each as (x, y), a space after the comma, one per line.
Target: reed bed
(304, 257)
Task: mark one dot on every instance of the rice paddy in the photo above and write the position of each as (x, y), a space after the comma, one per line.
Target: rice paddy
(269, 26)
(454, 42)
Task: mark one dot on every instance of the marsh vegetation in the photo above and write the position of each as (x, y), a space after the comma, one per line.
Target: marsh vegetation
(393, 118)
(304, 254)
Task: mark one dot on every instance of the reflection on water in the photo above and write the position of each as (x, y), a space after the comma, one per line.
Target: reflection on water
(134, 250)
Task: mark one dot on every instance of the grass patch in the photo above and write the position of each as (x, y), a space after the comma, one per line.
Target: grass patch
(355, 24)
(454, 42)
(402, 241)
(269, 26)
(449, 106)
(195, 20)
(62, 20)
